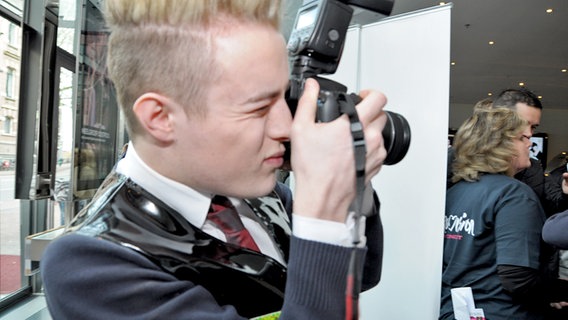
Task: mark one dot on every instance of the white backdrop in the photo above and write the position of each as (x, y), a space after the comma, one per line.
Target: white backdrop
(408, 58)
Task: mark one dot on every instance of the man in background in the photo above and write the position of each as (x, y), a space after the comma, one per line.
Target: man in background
(552, 192)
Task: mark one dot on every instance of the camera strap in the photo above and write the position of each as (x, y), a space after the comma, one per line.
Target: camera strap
(354, 277)
(347, 106)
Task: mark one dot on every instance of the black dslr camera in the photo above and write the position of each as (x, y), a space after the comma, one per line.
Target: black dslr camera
(315, 46)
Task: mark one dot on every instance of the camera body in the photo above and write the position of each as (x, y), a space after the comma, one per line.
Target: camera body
(316, 45)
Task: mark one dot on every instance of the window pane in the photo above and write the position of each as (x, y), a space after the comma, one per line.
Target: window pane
(62, 195)
(66, 28)
(7, 125)
(97, 108)
(15, 6)
(9, 83)
(11, 278)
(12, 34)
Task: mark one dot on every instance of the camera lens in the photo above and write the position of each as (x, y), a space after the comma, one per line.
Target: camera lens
(396, 137)
(396, 133)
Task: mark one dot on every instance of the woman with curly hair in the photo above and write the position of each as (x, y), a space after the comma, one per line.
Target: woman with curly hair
(493, 222)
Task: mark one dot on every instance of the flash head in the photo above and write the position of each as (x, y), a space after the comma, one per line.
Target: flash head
(315, 46)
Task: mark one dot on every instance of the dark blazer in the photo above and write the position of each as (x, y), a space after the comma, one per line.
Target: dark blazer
(128, 255)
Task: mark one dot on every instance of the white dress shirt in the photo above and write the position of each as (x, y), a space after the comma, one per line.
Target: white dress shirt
(193, 206)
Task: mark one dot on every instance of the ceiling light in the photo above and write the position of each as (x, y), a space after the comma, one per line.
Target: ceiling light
(549, 10)
(564, 70)
(491, 42)
(453, 64)
(442, 3)
(540, 97)
(521, 84)
(489, 94)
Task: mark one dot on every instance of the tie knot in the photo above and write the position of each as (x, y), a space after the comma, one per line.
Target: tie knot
(219, 203)
(224, 215)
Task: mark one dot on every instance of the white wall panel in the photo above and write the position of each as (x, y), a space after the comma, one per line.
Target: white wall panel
(408, 57)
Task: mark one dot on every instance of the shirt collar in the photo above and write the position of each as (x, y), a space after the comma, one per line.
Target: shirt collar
(191, 204)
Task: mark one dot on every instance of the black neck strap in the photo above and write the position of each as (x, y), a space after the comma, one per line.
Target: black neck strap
(347, 106)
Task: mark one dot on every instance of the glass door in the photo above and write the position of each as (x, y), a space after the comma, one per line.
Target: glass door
(11, 277)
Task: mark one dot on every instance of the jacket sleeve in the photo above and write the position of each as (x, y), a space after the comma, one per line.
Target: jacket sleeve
(313, 294)
(373, 232)
(89, 278)
(555, 230)
(556, 200)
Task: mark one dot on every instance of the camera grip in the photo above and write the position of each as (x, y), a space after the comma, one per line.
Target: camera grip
(328, 106)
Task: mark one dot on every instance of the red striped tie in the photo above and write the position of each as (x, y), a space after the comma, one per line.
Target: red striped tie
(224, 215)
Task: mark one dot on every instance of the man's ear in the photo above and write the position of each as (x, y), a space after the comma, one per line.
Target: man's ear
(154, 113)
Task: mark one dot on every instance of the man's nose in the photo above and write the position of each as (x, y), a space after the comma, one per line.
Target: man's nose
(280, 121)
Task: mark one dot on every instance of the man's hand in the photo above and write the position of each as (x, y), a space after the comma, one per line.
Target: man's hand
(559, 305)
(322, 154)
